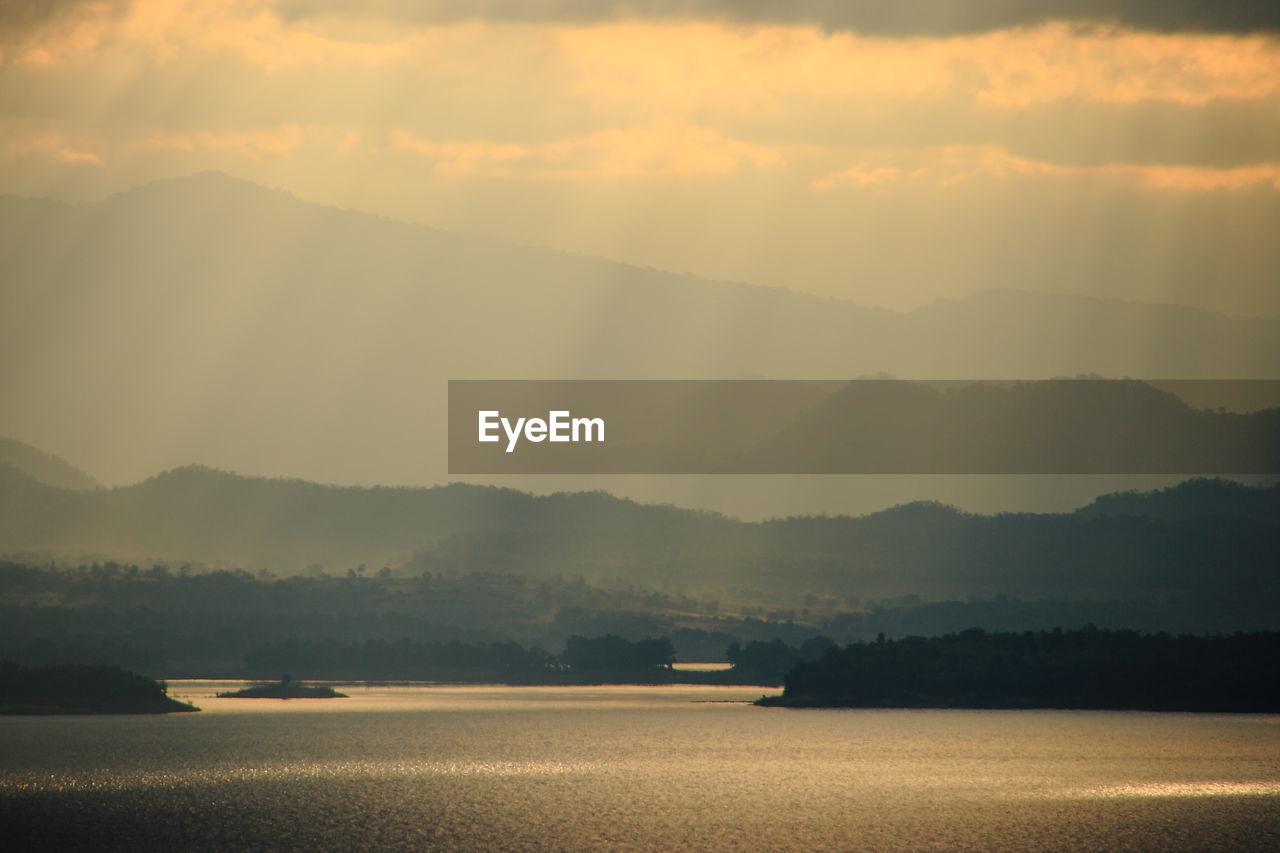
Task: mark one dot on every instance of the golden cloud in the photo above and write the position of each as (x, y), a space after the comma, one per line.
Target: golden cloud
(50, 146)
(950, 165)
(274, 142)
(660, 148)
(696, 65)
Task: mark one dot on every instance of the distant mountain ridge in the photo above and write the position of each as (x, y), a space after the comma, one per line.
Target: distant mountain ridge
(1213, 539)
(173, 315)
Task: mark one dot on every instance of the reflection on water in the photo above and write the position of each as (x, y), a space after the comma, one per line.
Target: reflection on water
(675, 767)
(420, 696)
(1183, 789)
(710, 666)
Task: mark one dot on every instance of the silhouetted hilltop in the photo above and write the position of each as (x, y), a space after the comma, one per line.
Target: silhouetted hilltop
(45, 467)
(199, 514)
(1201, 498)
(205, 514)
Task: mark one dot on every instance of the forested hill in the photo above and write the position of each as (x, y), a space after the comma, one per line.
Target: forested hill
(1201, 536)
(1199, 498)
(1050, 669)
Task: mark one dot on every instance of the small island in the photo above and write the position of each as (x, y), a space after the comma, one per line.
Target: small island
(83, 689)
(285, 688)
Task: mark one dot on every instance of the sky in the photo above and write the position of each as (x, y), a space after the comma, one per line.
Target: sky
(890, 153)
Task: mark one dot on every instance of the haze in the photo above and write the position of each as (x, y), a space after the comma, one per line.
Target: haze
(1099, 151)
(1014, 175)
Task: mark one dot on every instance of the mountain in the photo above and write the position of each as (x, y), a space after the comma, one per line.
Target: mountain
(924, 549)
(209, 318)
(201, 514)
(44, 467)
(1194, 499)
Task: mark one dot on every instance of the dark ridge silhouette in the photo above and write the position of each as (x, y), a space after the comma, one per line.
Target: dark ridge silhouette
(1193, 499)
(1087, 669)
(89, 689)
(200, 515)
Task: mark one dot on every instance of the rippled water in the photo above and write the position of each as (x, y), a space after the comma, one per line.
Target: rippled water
(652, 768)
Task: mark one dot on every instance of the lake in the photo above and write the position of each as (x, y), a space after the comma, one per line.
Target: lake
(632, 768)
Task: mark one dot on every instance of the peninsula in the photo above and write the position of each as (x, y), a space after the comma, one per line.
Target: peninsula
(91, 689)
(1086, 669)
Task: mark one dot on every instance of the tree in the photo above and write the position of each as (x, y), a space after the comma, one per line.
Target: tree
(611, 652)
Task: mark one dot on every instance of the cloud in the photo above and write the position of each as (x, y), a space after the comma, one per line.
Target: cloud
(679, 139)
(952, 165)
(18, 18)
(469, 157)
(661, 148)
(899, 18)
(47, 146)
(275, 142)
(760, 71)
(21, 20)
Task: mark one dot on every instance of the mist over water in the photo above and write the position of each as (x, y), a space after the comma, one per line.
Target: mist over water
(646, 768)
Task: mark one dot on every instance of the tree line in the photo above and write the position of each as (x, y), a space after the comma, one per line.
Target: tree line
(1089, 668)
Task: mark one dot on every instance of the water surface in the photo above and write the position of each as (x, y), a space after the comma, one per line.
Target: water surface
(643, 768)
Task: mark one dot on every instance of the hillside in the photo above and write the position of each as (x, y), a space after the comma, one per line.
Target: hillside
(203, 571)
(1223, 537)
(1190, 500)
